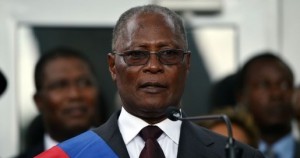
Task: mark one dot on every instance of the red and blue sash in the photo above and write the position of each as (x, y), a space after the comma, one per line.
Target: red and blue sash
(85, 145)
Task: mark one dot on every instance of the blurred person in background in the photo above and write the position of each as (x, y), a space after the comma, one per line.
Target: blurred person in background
(223, 93)
(243, 127)
(67, 98)
(265, 89)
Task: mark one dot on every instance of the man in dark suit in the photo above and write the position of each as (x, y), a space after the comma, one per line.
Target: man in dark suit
(149, 64)
(66, 97)
(266, 85)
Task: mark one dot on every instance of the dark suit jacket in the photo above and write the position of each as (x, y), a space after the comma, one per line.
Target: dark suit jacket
(297, 150)
(195, 141)
(30, 153)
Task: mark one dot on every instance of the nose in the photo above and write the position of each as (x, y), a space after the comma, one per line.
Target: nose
(153, 65)
(74, 92)
(277, 92)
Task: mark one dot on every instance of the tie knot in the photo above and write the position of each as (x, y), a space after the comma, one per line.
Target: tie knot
(150, 132)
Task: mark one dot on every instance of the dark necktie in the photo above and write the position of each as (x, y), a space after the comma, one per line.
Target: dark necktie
(151, 149)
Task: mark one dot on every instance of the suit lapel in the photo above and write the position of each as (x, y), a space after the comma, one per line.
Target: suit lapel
(194, 142)
(111, 134)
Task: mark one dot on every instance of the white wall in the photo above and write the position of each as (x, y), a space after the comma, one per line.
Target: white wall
(291, 35)
(8, 110)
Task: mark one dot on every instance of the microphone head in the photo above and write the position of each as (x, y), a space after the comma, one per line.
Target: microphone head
(173, 113)
(3, 83)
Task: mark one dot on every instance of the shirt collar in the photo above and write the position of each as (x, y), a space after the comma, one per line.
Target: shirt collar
(131, 125)
(284, 147)
(49, 142)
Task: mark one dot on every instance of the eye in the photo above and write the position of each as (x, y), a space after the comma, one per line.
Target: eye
(135, 55)
(285, 85)
(171, 53)
(85, 82)
(263, 84)
(57, 85)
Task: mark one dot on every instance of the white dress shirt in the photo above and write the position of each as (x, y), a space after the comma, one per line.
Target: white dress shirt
(295, 129)
(130, 126)
(49, 142)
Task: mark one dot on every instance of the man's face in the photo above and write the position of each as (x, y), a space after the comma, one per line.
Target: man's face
(147, 90)
(268, 93)
(68, 96)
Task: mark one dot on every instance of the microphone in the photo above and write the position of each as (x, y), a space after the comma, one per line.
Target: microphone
(175, 114)
(3, 83)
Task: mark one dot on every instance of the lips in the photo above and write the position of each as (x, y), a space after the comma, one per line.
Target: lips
(76, 110)
(153, 87)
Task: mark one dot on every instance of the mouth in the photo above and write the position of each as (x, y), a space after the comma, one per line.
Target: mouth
(279, 109)
(153, 87)
(75, 111)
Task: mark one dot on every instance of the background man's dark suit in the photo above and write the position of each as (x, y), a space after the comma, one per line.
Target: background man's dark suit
(297, 153)
(33, 151)
(195, 141)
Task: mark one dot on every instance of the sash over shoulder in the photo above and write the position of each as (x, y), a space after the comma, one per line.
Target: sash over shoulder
(85, 145)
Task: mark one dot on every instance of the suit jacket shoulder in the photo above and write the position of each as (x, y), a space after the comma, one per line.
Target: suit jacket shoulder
(198, 142)
(111, 134)
(32, 152)
(297, 149)
(195, 141)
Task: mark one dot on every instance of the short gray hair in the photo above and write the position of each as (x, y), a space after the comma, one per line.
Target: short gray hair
(119, 29)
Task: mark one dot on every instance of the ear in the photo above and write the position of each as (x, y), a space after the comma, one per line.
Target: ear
(239, 97)
(38, 101)
(241, 100)
(188, 62)
(112, 65)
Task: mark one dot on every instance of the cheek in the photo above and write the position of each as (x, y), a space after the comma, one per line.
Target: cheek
(53, 102)
(126, 77)
(178, 78)
(288, 96)
(258, 98)
(91, 97)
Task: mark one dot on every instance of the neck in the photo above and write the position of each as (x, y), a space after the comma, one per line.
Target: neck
(60, 135)
(272, 135)
(154, 120)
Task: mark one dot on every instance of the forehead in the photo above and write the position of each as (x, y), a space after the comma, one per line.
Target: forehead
(153, 18)
(265, 65)
(146, 27)
(62, 65)
(269, 67)
(155, 21)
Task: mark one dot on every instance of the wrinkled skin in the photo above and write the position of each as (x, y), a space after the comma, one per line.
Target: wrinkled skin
(68, 98)
(148, 90)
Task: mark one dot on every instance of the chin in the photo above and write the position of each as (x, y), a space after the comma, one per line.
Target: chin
(79, 129)
(155, 108)
(152, 112)
(80, 125)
